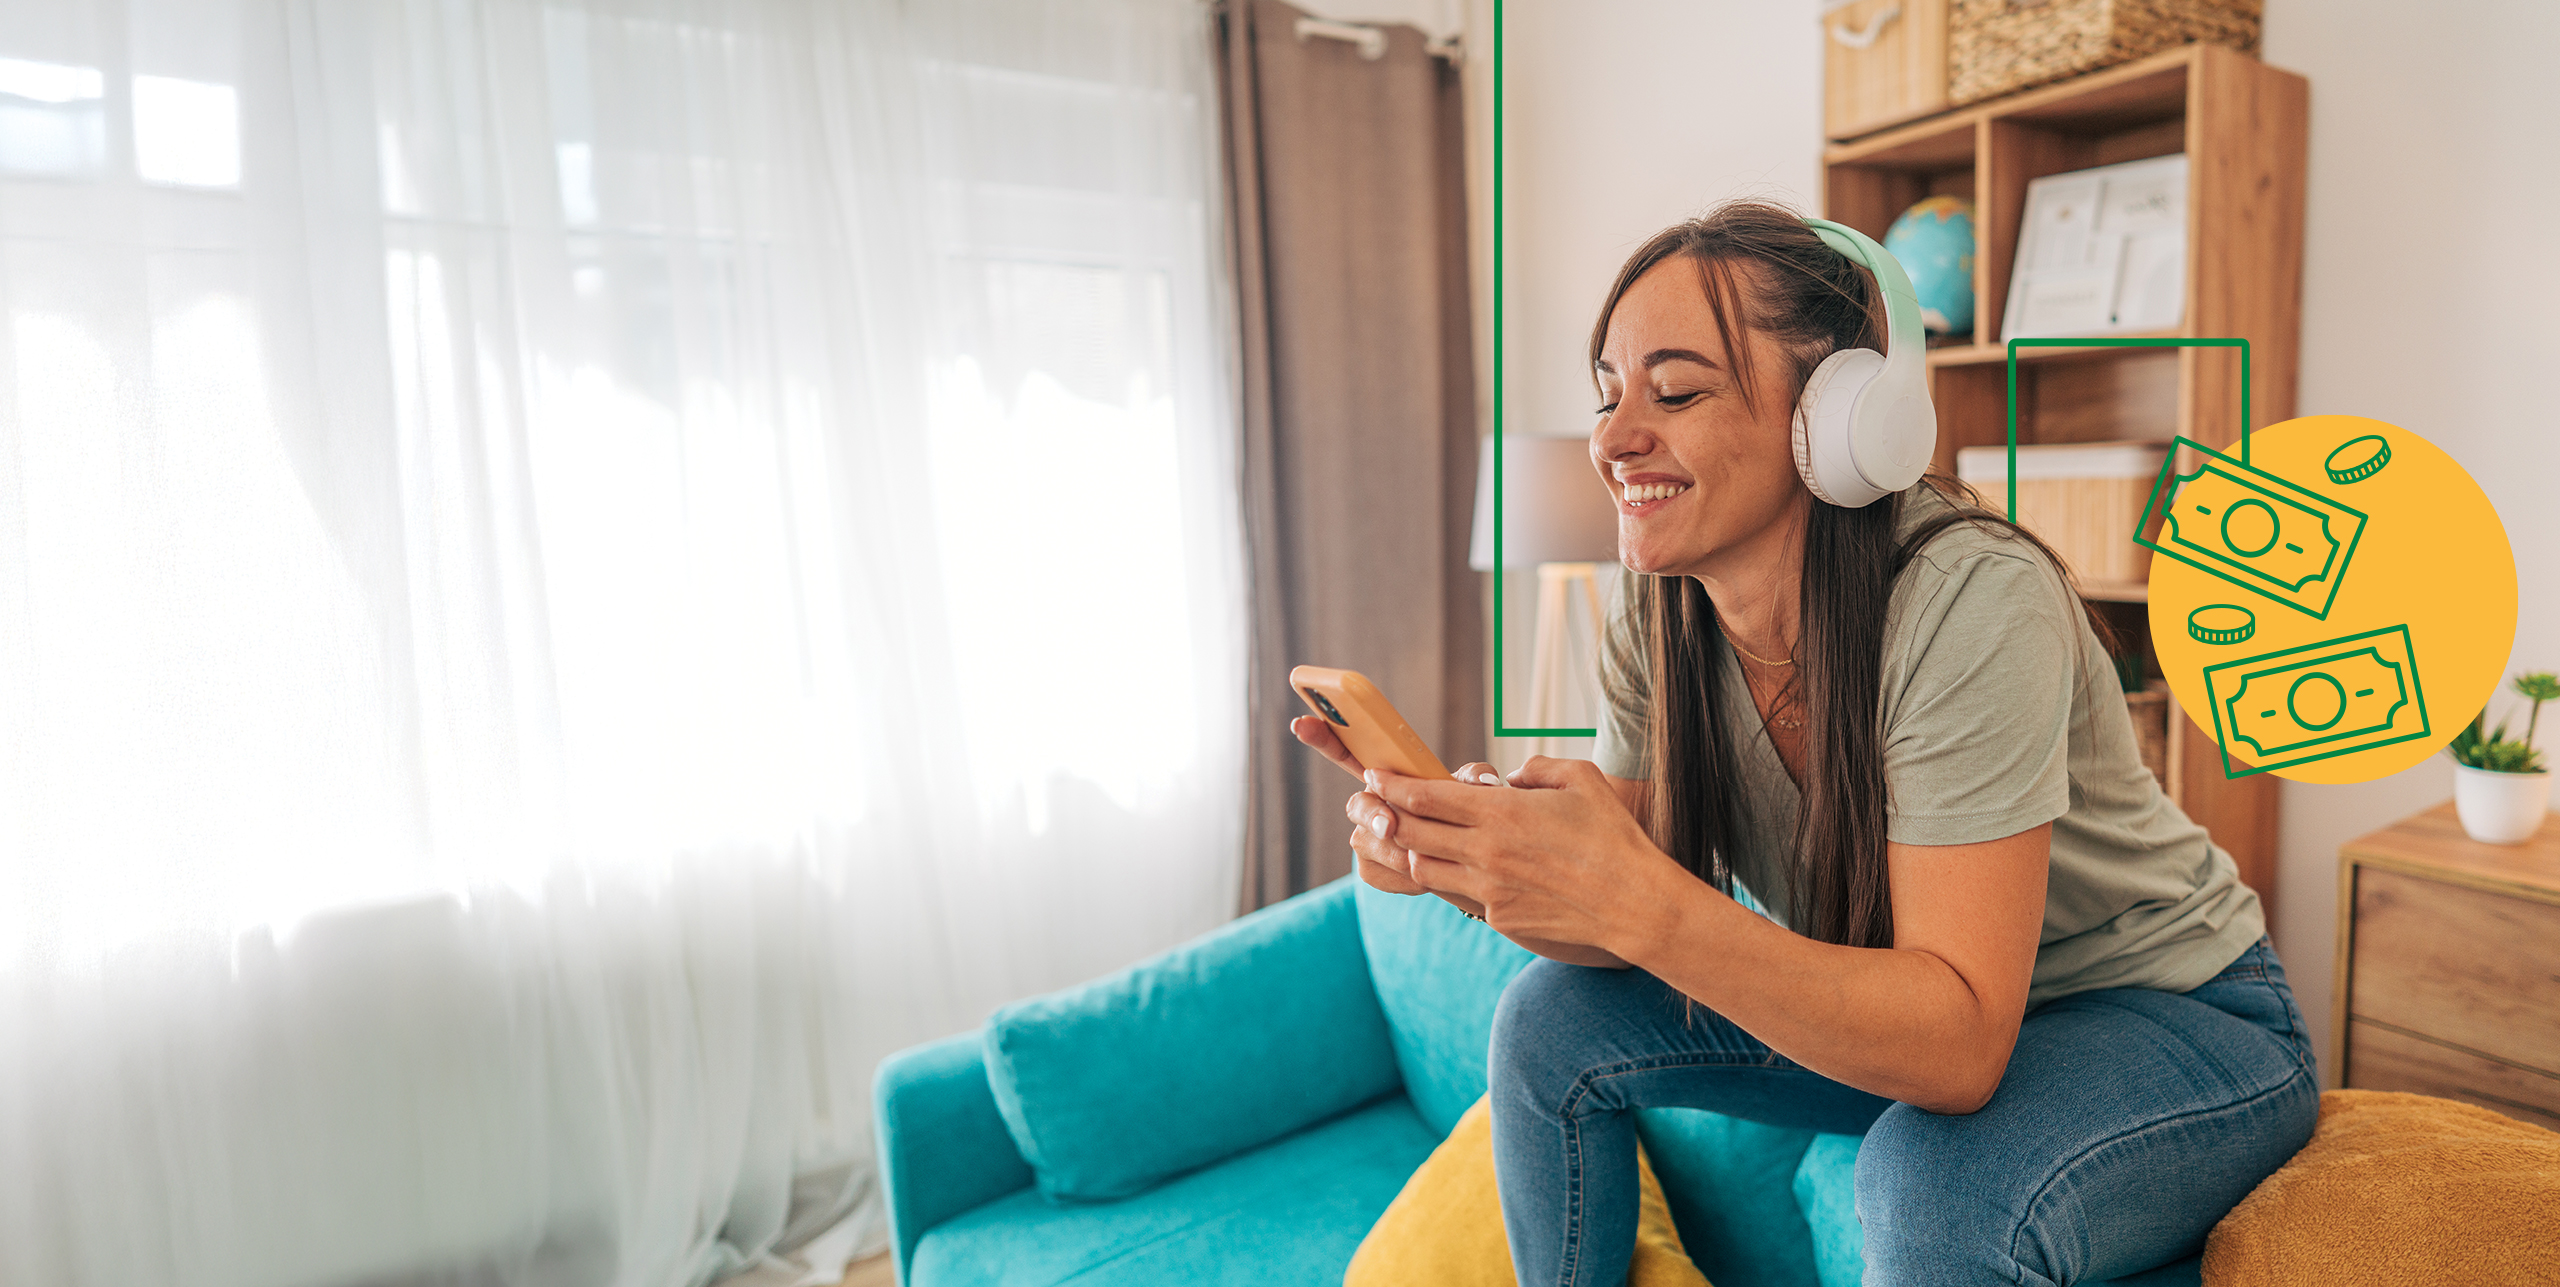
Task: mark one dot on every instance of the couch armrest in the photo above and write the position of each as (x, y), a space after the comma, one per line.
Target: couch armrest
(943, 1146)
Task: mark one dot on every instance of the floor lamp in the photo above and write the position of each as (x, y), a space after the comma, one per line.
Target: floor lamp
(1558, 518)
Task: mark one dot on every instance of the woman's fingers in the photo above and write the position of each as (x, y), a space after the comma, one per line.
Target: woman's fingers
(1430, 797)
(1441, 876)
(1439, 839)
(1479, 773)
(1383, 865)
(1377, 833)
(1370, 814)
(1320, 735)
(1396, 841)
(1542, 771)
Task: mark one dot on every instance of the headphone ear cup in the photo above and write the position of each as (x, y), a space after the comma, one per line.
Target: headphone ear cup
(1823, 425)
(1801, 439)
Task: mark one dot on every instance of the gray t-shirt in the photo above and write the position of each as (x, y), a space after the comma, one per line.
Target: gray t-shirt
(2001, 712)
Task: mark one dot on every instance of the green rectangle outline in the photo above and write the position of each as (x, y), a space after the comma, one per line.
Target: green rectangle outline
(1501, 729)
(2156, 342)
(2417, 695)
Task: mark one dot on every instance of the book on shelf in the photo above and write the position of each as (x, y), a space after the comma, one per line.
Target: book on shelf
(2101, 252)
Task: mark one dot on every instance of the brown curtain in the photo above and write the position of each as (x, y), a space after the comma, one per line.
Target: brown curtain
(1346, 183)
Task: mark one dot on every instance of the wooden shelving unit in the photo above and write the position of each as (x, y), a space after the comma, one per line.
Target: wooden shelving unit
(2244, 127)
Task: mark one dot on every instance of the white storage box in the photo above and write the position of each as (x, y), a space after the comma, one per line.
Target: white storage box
(2084, 499)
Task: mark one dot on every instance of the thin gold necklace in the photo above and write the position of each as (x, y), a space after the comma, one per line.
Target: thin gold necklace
(1737, 647)
(1778, 702)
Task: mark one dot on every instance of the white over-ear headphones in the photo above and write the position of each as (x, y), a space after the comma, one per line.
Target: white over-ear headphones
(1864, 428)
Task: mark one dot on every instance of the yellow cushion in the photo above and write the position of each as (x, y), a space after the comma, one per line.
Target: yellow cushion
(1445, 1229)
(2396, 1189)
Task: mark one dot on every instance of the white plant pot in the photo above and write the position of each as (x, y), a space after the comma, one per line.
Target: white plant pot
(2500, 808)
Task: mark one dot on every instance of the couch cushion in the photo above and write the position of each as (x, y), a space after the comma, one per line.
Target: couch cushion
(1728, 1184)
(1260, 1028)
(1446, 1228)
(1826, 1190)
(2400, 1188)
(1289, 1212)
(1437, 975)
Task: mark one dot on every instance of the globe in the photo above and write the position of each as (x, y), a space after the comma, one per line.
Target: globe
(1934, 241)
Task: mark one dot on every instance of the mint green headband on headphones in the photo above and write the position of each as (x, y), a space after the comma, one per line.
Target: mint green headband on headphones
(1865, 427)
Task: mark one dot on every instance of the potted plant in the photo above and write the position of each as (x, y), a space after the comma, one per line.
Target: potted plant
(2500, 788)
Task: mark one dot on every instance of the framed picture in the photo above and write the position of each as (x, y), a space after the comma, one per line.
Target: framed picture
(2101, 252)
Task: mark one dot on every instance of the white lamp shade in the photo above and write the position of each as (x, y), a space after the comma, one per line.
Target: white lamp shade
(1555, 509)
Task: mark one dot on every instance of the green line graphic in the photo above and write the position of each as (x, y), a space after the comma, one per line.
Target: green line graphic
(2357, 459)
(2221, 623)
(1500, 727)
(2262, 533)
(2317, 701)
(2215, 342)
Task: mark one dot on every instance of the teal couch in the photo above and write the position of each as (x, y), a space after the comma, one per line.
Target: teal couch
(1240, 1109)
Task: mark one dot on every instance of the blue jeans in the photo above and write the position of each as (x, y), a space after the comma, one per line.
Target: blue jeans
(2128, 1122)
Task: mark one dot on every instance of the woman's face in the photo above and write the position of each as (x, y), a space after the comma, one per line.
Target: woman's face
(1702, 481)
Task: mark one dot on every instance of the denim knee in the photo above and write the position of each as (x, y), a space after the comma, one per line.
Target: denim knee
(1916, 1223)
(1528, 1059)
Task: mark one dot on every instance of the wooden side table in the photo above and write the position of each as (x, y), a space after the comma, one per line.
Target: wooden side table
(2449, 966)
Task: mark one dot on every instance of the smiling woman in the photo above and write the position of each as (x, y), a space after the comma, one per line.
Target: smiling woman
(1992, 947)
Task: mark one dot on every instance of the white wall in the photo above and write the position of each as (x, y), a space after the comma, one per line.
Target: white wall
(1619, 118)
(1623, 116)
(2429, 301)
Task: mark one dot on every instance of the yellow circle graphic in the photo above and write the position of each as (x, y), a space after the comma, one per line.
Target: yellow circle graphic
(2335, 608)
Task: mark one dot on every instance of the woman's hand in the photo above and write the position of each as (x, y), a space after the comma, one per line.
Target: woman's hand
(1320, 735)
(1383, 863)
(1561, 862)
(1386, 864)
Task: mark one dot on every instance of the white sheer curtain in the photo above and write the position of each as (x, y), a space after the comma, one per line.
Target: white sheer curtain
(572, 573)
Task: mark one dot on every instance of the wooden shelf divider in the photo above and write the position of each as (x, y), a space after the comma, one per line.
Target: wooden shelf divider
(2244, 127)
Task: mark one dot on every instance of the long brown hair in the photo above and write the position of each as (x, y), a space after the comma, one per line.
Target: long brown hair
(1764, 272)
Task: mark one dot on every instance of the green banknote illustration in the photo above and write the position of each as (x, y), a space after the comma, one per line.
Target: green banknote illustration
(2316, 701)
(2253, 529)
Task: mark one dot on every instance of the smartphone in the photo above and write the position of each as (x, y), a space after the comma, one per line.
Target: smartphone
(1365, 721)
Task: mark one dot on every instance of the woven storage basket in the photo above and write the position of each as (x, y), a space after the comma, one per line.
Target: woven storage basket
(2084, 499)
(1995, 46)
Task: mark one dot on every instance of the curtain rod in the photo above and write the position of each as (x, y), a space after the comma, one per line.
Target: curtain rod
(1373, 40)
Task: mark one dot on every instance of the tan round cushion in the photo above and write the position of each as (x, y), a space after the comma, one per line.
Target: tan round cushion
(2396, 1189)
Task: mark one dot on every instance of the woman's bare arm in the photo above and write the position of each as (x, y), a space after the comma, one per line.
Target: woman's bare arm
(1929, 1021)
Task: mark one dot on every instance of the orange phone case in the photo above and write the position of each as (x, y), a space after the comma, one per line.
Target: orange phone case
(1365, 720)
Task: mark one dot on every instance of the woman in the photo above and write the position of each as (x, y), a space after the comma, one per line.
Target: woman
(1993, 946)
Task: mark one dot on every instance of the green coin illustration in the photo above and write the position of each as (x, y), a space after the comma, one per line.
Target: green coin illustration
(2221, 623)
(2358, 459)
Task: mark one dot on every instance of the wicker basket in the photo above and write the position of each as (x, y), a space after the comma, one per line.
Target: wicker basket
(1995, 46)
(2084, 499)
